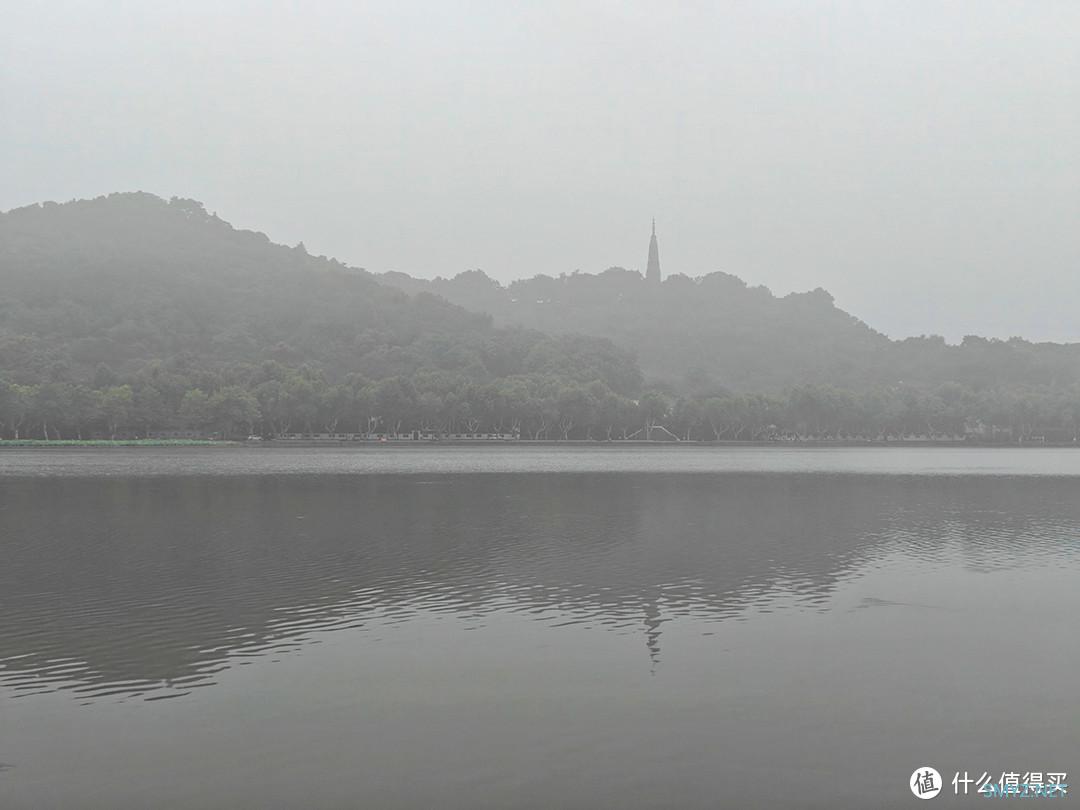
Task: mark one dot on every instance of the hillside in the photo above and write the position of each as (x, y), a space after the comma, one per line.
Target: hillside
(163, 299)
(129, 314)
(130, 278)
(688, 333)
(716, 332)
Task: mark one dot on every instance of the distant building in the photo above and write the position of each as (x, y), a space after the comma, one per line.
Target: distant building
(652, 269)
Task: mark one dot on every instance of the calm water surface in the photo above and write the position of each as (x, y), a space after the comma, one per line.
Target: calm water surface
(532, 627)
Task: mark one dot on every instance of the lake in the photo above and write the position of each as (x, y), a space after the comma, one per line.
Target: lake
(533, 626)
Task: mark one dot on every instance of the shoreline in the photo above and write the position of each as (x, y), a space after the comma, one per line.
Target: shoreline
(51, 444)
(54, 443)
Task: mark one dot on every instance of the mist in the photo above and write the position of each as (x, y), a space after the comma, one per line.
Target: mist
(563, 404)
(917, 160)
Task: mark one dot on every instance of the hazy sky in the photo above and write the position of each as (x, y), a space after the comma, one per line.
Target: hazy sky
(919, 160)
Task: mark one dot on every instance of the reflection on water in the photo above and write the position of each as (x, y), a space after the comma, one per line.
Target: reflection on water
(148, 588)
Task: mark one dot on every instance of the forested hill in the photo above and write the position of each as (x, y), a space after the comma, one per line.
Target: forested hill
(130, 278)
(684, 330)
(115, 310)
(715, 332)
(129, 314)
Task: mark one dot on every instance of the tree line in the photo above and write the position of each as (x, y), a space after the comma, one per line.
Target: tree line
(271, 400)
(130, 314)
(715, 329)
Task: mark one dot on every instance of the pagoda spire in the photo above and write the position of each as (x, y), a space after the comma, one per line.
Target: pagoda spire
(652, 269)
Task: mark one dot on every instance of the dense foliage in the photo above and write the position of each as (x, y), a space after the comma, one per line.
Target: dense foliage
(272, 399)
(714, 331)
(129, 315)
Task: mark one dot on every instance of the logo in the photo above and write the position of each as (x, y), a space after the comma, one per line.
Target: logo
(925, 783)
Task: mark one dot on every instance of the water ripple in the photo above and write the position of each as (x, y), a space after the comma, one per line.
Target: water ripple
(150, 588)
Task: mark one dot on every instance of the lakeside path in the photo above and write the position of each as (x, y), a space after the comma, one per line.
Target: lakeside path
(437, 460)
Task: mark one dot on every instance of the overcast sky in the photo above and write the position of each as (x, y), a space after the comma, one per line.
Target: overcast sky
(921, 161)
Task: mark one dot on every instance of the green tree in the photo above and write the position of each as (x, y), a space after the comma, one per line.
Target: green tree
(16, 404)
(195, 410)
(115, 406)
(235, 410)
